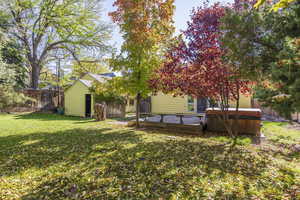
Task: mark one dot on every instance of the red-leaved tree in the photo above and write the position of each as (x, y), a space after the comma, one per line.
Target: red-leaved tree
(194, 64)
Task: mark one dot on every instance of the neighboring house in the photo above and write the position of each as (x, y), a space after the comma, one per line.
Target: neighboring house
(79, 100)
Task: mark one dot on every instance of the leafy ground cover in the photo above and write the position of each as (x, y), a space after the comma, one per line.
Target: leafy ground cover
(45, 156)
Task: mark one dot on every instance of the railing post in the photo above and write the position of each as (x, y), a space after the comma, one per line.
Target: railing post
(161, 118)
(181, 120)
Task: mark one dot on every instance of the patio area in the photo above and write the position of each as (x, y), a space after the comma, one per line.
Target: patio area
(185, 119)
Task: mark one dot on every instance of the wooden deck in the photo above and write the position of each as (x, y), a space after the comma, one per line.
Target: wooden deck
(195, 129)
(180, 122)
(180, 116)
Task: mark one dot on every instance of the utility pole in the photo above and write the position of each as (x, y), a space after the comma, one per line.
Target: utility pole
(58, 81)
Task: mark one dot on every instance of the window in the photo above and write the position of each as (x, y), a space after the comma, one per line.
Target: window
(191, 104)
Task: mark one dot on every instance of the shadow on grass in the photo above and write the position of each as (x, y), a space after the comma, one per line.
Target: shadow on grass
(41, 150)
(56, 117)
(120, 164)
(158, 170)
(48, 117)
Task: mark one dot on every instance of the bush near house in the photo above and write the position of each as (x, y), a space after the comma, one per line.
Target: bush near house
(57, 157)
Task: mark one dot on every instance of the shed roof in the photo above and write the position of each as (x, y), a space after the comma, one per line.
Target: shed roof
(86, 82)
(97, 77)
(101, 77)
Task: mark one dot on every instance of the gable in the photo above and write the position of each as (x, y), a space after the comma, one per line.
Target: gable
(87, 80)
(77, 86)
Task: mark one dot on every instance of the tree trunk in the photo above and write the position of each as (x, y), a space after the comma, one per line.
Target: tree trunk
(137, 110)
(35, 75)
(100, 111)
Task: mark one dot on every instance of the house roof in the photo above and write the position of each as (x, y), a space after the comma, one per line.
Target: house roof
(110, 74)
(97, 77)
(102, 77)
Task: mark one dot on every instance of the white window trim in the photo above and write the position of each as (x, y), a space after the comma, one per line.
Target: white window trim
(194, 102)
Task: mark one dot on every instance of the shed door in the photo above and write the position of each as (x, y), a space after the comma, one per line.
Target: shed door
(88, 104)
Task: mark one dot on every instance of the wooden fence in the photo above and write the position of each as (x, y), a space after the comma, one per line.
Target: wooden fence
(115, 110)
(43, 100)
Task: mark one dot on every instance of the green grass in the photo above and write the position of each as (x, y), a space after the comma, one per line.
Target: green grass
(55, 157)
(281, 132)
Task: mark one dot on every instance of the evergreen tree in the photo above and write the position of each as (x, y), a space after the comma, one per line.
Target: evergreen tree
(266, 46)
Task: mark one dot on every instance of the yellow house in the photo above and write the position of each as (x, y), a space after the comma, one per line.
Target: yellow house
(166, 103)
(79, 100)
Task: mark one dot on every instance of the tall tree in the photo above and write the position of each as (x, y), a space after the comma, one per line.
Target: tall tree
(266, 44)
(8, 82)
(11, 53)
(146, 26)
(194, 65)
(42, 26)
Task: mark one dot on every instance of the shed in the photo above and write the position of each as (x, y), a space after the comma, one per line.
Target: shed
(79, 99)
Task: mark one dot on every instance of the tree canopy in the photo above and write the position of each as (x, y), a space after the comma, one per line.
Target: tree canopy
(275, 7)
(266, 45)
(145, 26)
(44, 26)
(194, 64)
(85, 66)
(8, 82)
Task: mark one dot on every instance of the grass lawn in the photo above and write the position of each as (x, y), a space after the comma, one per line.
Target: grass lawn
(55, 157)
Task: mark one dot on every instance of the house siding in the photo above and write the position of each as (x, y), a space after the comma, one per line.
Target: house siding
(75, 100)
(162, 103)
(245, 101)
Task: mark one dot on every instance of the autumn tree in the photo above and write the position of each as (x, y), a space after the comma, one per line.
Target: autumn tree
(194, 64)
(42, 26)
(146, 25)
(277, 5)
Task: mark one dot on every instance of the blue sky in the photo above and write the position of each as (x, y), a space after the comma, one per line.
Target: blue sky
(182, 15)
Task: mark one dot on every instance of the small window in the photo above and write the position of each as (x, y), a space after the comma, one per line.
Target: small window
(191, 104)
(131, 102)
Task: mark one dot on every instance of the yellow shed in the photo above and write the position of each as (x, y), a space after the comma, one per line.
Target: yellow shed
(79, 100)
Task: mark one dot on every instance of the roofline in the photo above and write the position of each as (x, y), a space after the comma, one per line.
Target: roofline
(82, 81)
(89, 73)
(78, 80)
